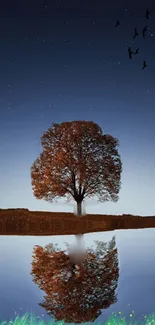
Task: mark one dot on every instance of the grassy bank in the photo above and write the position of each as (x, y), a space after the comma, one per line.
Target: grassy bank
(115, 319)
(41, 223)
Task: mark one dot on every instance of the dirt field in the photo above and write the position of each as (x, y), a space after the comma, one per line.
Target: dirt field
(41, 223)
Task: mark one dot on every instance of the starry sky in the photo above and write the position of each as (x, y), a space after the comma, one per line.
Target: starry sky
(66, 60)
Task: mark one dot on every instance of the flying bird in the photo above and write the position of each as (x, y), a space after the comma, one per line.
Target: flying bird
(136, 52)
(144, 31)
(147, 13)
(117, 23)
(144, 65)
(136, 33)
(130, 52)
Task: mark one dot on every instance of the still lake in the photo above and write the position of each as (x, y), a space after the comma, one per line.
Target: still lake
(136, 281)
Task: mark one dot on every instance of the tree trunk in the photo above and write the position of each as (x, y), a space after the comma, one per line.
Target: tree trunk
(79, 209)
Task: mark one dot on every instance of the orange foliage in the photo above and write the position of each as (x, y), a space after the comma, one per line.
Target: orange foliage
(78, 160)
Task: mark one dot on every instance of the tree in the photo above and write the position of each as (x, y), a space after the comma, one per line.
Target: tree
(77, 161)
(75, 295)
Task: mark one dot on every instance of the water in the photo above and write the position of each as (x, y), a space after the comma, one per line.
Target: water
(135, 289)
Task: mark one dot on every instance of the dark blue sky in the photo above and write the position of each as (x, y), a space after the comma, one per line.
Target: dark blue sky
(63, 61)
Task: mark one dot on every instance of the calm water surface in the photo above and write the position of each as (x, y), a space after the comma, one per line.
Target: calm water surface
(136, 283)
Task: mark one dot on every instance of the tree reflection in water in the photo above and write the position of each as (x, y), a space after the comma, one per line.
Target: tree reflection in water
(76, 292)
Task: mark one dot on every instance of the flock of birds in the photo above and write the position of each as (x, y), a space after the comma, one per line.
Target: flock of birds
(130, 52)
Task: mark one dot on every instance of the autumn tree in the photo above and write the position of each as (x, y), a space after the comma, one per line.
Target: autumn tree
(77, 161)
(76, 295)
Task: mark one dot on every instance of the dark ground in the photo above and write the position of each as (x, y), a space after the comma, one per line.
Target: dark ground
(39, 223)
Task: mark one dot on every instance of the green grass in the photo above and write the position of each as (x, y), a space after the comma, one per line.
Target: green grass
(115, 319)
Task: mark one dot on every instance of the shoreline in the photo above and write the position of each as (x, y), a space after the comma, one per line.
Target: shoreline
(45, 223)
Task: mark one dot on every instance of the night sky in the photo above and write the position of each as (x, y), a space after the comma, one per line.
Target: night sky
(66, 60)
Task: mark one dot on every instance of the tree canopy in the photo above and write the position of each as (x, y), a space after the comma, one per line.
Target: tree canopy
(77, 161)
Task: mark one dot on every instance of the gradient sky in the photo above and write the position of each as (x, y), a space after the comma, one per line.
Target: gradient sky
(63, 61)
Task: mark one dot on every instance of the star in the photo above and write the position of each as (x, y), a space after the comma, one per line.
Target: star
(9, 86)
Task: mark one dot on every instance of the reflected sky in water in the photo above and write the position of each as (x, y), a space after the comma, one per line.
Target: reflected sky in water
(136, 284)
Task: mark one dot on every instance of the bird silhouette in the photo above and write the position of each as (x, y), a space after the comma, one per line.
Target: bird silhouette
(117, 23)
(144, 65)
(147, 13)
(136, 52)
(130, 52)
(144, 31)
(136, 33)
